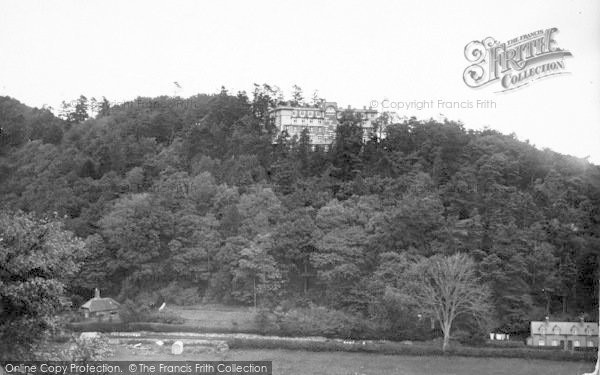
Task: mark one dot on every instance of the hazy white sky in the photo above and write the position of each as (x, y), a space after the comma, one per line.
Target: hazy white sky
(353, 52)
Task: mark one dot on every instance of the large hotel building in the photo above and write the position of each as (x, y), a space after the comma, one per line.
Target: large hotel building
(320, 121)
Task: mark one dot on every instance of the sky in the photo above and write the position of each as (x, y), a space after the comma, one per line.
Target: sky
(357, 53)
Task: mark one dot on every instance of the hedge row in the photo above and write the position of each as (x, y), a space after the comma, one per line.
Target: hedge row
(393, 348)
(152, 327)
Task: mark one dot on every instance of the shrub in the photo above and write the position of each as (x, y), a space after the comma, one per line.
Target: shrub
(504, 344)
(97, 327)
(88, 350)
(176, 294)
(265, 322)
(132, 313)
(320, 321)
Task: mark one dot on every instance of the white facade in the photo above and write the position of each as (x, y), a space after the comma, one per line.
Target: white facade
(321, 121)
(568, 335)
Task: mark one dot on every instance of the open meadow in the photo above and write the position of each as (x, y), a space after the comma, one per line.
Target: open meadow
(287, 362)
(216, 316)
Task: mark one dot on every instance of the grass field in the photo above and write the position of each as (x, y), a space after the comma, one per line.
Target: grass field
(337, 363)
(216, 316)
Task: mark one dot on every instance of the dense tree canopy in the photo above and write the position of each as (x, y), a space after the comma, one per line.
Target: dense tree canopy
(203, 194)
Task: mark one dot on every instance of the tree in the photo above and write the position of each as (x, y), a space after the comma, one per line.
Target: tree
(76, 111)
(13, 131)
(317, 101)
(347, 147)
(37, 258)
(303, 151)
(447, 287)
(103, 108)
(193, 249)
(137, 231)
(81, 109)
(297, 96)
(256, 276)
(341, 256)
(264, 99)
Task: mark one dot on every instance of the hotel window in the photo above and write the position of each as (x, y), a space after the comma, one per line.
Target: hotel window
(541, 343)
(576, 344)
(294, 113)
(310, 113)
(554, 342)
(311, 121)
(590, 344)
(302, 113)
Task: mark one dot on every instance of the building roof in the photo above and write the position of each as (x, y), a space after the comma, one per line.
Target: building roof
(289, 107)
(564, 328)
(101, 304)
(321, 107)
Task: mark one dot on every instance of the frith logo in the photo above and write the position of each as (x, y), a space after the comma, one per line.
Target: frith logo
(515, 63)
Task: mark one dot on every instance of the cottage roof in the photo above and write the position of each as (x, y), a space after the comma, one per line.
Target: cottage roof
(98, 304)
(564, 328)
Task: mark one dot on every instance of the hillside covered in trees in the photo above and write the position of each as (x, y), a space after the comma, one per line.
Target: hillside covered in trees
(192, 201)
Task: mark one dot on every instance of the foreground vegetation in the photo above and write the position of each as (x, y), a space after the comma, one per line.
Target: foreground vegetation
(243, 329)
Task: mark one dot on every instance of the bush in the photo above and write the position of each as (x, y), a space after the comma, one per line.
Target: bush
(97, 327)
(265, 322)
(504, 344)
(132, 313)
(320, 321)
(176, 294)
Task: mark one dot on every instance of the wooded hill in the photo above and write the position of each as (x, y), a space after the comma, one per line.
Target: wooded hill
(191, 200)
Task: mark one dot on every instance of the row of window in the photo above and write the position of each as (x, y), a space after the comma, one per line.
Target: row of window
(319, 121)
(307, 113)
(576, 343)
(366, 115)
(574, 330)
(311, 129)
(302, 113)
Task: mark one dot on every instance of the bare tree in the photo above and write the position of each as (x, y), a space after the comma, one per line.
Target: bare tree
(447, 287)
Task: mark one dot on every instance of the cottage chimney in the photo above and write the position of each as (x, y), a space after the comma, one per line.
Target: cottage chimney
(96, 293)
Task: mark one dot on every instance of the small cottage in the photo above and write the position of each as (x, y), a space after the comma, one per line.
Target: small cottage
(101, 308)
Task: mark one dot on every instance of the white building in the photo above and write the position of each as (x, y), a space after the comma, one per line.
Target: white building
(321, 121)
(567, 335)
